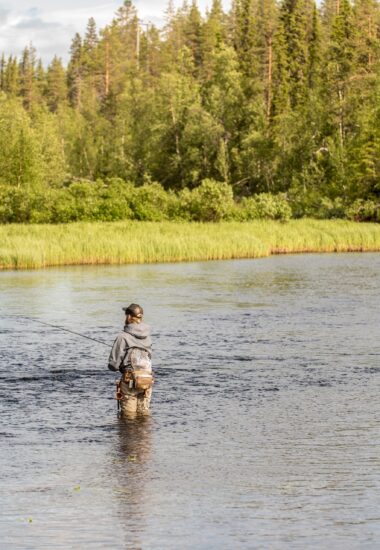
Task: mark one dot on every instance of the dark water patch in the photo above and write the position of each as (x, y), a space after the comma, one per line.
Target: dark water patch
(372, 370)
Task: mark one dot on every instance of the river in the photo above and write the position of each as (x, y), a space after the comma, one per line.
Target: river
(264, 430)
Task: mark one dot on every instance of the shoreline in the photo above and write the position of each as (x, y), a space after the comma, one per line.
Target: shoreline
(133, 242)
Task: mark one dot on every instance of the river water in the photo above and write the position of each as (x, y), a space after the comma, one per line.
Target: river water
(264, 430)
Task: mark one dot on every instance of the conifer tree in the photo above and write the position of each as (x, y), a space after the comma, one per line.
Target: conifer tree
(193, 33)
(90, 49)
(12, 77)
(75, 72)
(56, 86)
(3, 65)
(244, 36)
(214, 36)
(28, 80)
(340, 65)
(366, 21)
(266, 22)
(314, 57)
(294, 22)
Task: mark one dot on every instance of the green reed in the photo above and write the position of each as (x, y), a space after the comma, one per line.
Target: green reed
(35, 246)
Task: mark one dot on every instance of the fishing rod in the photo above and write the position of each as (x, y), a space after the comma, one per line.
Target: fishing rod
(59, 328)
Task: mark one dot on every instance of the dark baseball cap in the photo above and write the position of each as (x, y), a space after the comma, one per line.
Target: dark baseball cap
(135, 310)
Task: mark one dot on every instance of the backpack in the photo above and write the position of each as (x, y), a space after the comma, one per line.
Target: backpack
(139, 359)
(140, 369)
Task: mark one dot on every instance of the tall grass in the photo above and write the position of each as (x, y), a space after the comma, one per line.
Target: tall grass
(35, 246)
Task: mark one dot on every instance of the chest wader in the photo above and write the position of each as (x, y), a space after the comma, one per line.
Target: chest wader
(137, 377)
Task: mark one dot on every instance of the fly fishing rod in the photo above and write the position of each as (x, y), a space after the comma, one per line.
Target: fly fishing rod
(59, 328)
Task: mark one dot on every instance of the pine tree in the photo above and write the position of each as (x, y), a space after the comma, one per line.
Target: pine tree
(127, 30)
(366, 21)
(214, 36)
(41, 83)
(90, 49)
(340, 65)
(28, 81)
(193, 33)
(293, 16)
(75, 72)
(56, 89)
(266, 22)
(281, 79)
(12, 77)
(3, 65)
(314, 66)
(244, 35)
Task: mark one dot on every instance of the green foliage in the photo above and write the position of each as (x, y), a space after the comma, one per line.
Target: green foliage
(271, 98)
(266, 206)
(364, 210)
(20, 162)
(212, 201)
(150, 203)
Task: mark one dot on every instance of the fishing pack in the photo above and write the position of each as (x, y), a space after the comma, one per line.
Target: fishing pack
(138, 373)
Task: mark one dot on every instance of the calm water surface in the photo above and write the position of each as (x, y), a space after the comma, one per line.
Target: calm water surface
(265, 419)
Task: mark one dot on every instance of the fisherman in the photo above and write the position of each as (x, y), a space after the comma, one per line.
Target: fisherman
(131, 355)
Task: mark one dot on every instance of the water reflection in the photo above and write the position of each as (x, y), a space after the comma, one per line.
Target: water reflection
(132, 475)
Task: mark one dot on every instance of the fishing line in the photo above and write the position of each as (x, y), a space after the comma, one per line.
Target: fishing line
(59, 328)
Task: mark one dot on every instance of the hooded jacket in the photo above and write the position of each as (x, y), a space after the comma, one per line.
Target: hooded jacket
(134, 335)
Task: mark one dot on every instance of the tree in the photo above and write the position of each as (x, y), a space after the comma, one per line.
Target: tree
(340, 65)
(75, 72)
(28, 81)
(266, 22)
(11, 83)
(193, 33)
(21, 164)
(56, 86)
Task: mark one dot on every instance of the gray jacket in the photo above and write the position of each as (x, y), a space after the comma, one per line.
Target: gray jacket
(135, 335)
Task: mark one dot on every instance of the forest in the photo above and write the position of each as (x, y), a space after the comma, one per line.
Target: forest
(271, 110)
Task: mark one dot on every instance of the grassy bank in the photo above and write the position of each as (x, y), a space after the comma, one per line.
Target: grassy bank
(35, 246)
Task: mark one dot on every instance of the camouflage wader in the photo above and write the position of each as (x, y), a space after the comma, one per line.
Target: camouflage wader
(134, 401)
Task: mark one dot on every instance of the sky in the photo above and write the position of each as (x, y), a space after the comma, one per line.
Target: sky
(51, 24)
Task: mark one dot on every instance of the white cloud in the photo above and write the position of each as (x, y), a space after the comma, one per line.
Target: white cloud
(51, 27)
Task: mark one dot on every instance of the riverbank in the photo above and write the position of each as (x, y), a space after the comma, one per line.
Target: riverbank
(38, 246)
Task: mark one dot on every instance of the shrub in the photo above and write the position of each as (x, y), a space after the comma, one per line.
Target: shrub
(14, 205)
(266, 206)
(364, 210)
(328, 209)
(212, 201)
(150, 202)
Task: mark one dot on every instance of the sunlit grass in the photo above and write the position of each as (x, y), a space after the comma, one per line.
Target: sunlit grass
(35, 246)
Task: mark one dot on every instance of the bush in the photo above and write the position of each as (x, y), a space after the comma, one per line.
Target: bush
(364, 210)
(314, 205)
(150, 202)
(212, 201)
(87, 201)
(14, 205)
(266, 206)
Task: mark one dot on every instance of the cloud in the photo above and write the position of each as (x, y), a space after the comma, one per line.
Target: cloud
(48, 37)
(50, 27)
(4, 14)
(36, 25)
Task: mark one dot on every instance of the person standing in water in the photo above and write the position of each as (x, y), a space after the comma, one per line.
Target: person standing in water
(131, 355)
